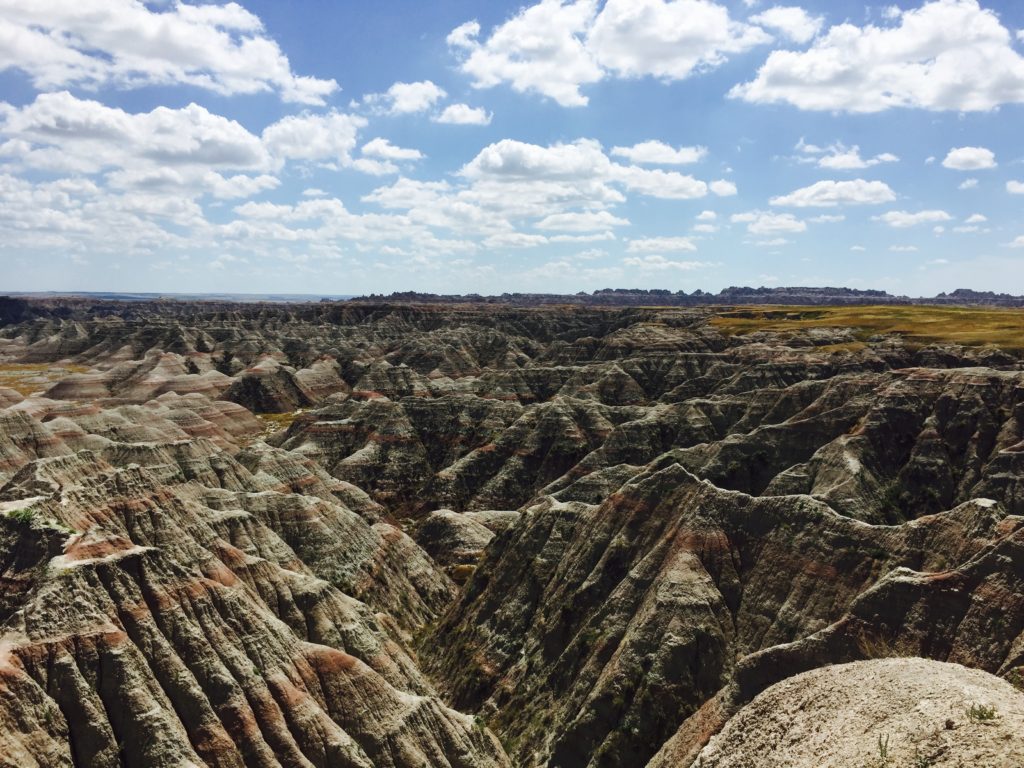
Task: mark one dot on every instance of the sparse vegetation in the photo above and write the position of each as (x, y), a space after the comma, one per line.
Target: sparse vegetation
(1003, 328)
(1015, 677)
(979, 713)
(874, 645)
(28, 378)
(24, 515)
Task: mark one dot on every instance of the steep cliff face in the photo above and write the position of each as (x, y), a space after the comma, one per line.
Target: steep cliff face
(377, 535)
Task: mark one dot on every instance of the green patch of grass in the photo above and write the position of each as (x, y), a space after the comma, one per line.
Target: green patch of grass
(24, 515)
(979, 713)
(970, 326)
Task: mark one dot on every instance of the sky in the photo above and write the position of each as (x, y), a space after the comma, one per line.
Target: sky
(324, 147)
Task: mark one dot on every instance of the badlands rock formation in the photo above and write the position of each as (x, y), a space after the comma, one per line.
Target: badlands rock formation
(396, 535)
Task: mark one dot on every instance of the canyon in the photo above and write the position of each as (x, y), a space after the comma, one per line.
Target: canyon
(569, 535)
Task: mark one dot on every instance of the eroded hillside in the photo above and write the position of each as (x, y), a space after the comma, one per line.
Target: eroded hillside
(391, 535)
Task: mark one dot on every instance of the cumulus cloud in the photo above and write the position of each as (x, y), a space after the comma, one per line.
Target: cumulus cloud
(126, 44)
(557, 46)
(970, 159)
(903, 248)
(723, 188)
(406, 98)
(792, 22)
(707, 216)
(829, 194)
(670, 40)
(968, 184)
(61, 133)
(1018, 242)
(463, 114)
(581, 162)
(329, 137)
(385, 150)
(904, 219)
(581, 222)
(661, 245)
(940, 56)
(515, 240)
(668, 185)
(839, 157)
(761, 223)
(659, 153)
(1015, 187)
(658, 262)
(976, 218)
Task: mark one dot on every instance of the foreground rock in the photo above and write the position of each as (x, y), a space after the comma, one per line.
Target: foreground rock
(892, 712)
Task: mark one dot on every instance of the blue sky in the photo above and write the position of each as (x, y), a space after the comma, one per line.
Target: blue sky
(354, 147)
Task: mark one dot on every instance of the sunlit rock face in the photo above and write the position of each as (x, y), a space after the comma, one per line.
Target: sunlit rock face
(405, 535)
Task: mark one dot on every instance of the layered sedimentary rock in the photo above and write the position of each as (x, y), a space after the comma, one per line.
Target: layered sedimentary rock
(368, 534)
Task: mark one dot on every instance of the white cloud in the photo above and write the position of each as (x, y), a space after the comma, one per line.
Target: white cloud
(516, 159)
(554, 47)
(827, 219)
(976, 218)
(593, 238)
(406, 98)
(667, 39)
(795, 23)
(581, 222)
(1015, 187)
(329, 137)
(705, 228)
(125, 44)
(658, 262)
(723, 188)
(858, 248)
(539, 50)
(839, 157)
(581, 162)
(707, 216)
(1018, 242)
(968, 184)
(170, 152)
(374, 167)
(940, 56)
(463, 114)
(970, 159)
(761, 223)
(385, 150)
(661, 245)
(668, 185)
(828, 194)
(659, 153)
(903, 219)
(515, 240)
(903, 248)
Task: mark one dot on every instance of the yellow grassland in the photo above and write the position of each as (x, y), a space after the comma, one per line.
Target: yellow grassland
(970, 326)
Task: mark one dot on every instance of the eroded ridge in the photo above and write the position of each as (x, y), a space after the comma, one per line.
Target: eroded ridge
(403, 535)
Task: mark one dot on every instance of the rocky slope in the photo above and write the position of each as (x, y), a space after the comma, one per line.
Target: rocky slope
(393, 535)
(874, 713)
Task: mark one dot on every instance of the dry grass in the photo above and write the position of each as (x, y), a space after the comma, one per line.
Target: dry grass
(970, 326)
(275, 422)
(29, 378)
